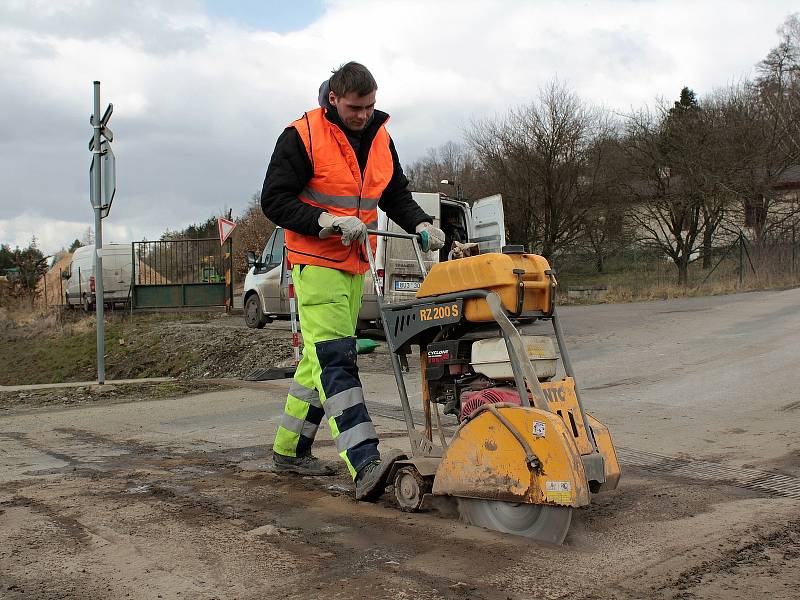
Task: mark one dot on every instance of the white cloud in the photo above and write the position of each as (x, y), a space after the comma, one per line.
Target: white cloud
(199, 102)
(52, 235)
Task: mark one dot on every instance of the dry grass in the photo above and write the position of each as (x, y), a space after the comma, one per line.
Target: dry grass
(21, 314)
(656, 279)
(51, 292)
(643, 290)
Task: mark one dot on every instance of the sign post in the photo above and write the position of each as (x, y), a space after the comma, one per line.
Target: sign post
(102, 186)
(226, 227)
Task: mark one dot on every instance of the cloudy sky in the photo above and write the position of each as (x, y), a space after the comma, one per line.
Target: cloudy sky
(201, 89)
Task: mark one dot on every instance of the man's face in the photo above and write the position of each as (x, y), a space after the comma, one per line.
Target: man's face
(355, 111)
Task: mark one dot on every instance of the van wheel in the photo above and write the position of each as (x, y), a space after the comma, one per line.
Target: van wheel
(253, 317)
(87, 304)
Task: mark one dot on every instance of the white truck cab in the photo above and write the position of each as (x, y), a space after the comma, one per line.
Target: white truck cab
(265, 295)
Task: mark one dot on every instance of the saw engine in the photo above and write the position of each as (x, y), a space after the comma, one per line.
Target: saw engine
(465, 374)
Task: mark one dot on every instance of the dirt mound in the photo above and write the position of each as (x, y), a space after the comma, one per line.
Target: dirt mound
(206, 350)
(53, 347)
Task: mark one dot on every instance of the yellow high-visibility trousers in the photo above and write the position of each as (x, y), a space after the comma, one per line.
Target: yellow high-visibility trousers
(326, 382)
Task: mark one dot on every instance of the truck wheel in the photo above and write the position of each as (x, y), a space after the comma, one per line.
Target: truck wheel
(253, 317)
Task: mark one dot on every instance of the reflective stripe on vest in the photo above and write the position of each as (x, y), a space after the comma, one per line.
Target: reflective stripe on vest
(349, 202)
(338, 187)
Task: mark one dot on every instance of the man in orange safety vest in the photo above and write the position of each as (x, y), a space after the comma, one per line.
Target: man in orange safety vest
(332, 169)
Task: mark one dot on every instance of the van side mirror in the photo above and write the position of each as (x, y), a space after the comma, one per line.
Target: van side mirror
(251, 258)
(65, 274)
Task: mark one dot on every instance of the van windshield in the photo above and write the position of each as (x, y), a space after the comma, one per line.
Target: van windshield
(273, 251)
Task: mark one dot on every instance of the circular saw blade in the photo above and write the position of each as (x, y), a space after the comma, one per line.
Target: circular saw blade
(542, 522)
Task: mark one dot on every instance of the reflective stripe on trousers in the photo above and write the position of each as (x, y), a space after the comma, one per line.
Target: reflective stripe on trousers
(301, 417)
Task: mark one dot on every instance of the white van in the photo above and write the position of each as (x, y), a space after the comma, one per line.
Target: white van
(79, 284)
(265, 297)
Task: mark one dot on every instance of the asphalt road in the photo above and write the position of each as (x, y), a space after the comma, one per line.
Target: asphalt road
(171, 498)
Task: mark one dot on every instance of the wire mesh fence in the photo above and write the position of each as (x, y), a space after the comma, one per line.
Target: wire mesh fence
(640, 272)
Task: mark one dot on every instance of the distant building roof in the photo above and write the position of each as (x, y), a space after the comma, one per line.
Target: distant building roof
(789, 179)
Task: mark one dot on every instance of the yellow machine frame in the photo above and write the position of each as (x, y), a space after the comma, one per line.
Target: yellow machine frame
(545, 451)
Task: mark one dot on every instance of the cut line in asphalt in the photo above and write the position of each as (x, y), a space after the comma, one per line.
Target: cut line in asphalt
(774, 484)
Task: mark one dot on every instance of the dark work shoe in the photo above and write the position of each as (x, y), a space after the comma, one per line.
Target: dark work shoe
(368, 482)
(302, 465)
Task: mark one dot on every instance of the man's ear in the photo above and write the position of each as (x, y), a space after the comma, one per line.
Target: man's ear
(332, 98)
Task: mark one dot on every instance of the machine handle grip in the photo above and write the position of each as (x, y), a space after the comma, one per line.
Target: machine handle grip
(394, 234)
(415, 239)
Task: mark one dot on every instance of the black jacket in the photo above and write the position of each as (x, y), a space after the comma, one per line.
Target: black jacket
(290, 170)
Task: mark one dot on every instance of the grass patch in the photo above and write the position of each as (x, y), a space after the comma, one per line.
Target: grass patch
(63, 356)
(54, 349)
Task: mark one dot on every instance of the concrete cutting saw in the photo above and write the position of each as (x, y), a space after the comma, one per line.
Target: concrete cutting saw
(524, 452)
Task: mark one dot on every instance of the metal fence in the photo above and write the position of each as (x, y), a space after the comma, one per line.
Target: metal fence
(181, 273)
(641, 272)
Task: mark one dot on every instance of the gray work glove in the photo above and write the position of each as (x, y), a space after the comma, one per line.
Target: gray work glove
(432, 238)
(352, 229)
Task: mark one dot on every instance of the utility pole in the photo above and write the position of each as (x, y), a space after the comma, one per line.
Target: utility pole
(102, 186)
(98, 240)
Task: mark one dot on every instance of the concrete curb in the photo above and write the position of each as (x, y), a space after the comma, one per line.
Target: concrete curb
(74, 384)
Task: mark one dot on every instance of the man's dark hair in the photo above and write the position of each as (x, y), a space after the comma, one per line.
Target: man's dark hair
(352, 77)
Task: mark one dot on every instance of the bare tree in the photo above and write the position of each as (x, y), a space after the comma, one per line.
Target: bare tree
(666, 205)
(716, 129)
(88, 237)
(769, 138)
(537, 157)
(252, 232)
(781, 67)
(453, 162)
(605, 228)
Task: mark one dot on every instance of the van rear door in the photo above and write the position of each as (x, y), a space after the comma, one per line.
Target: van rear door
(402, 277)
(489, 228)
(116, 270)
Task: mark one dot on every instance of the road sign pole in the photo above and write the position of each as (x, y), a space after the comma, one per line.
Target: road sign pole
(98, 239)
(229, 277)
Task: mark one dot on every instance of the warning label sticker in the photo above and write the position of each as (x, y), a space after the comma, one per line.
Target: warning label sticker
(539, 429)
(558, 491)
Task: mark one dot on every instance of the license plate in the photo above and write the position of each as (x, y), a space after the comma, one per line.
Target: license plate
(406, 286)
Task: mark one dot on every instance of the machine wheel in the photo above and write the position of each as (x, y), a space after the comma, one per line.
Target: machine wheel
(253, 317)
(410, 488)
(542, 522)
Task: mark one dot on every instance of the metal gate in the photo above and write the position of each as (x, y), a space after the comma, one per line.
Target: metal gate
(181, 273)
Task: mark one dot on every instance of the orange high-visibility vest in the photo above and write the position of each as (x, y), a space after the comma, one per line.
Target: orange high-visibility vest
(338, 188)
